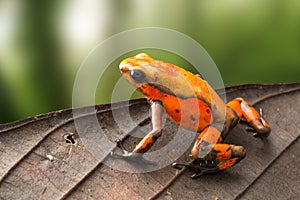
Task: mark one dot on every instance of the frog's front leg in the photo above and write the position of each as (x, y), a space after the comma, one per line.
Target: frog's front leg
(147, 142)
(211, 155)
(241, 108)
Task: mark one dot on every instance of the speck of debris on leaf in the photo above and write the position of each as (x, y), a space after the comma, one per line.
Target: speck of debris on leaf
(214, 198)
(50, 157)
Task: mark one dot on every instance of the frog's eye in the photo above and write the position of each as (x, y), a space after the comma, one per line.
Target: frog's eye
(137, 75)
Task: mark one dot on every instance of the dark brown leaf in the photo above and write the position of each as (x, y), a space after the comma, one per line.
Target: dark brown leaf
(44, 158)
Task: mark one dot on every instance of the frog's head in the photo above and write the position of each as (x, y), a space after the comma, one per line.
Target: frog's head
(143, 71)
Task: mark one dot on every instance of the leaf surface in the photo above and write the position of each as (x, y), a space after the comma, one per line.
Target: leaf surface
(40, 161)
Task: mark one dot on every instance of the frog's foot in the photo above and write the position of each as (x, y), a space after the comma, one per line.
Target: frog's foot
(130, 156)
(263, 131)
(200, 167)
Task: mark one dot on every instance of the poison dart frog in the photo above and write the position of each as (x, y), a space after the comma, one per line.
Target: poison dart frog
(189, 101)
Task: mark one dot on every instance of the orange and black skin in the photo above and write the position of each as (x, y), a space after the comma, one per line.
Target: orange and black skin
(190, 102)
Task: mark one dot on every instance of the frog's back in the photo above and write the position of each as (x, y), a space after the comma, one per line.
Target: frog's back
(188, 99)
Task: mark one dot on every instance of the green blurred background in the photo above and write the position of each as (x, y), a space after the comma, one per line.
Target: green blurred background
(43, 43)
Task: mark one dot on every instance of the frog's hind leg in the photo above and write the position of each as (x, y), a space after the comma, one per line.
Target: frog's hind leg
(212, 156)
(241, 108)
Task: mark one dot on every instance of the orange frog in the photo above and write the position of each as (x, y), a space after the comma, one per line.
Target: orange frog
(190, 102)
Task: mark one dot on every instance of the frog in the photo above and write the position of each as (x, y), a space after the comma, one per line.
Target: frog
(189, 101)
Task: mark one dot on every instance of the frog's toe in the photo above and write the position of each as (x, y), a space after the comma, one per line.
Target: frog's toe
(262, 133)
(252, 130)
(132, 157)
(120, 145)
(178, 165)
(197, 175)
(124, 155)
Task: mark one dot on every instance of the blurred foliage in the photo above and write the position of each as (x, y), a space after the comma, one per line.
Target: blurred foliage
(43, 43)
